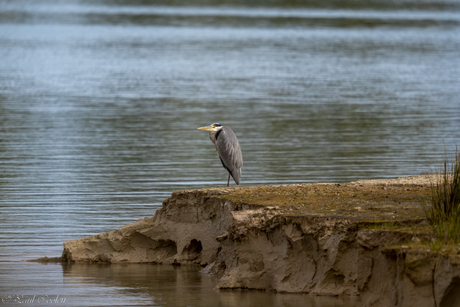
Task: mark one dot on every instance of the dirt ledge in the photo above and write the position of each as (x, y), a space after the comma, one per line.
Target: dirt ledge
(362, 238)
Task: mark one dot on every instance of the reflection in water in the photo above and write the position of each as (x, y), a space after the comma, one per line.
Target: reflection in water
(99, 105)
(182, 286)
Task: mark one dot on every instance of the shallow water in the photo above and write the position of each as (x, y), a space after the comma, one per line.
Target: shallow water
(100, 101)
(140, 285)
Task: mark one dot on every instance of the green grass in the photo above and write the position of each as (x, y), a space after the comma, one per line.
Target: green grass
(435, 245)
(443, 211)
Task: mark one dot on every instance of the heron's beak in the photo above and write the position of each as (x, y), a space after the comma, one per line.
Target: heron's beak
(208, 128)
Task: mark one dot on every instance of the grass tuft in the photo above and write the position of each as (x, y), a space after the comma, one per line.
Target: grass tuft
(443, 212)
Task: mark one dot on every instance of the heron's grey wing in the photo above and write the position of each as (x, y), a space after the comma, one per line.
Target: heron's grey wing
(229, 152)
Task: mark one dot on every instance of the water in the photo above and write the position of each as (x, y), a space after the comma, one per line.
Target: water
(100, 101)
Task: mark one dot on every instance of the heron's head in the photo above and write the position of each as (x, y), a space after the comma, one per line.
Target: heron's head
(213, 127)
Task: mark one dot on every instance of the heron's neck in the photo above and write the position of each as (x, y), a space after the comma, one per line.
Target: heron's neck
(212, 136)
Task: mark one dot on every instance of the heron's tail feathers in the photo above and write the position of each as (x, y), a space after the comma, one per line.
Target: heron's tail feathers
(236, 174)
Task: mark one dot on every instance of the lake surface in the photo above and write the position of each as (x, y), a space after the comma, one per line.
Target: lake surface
(100, 101)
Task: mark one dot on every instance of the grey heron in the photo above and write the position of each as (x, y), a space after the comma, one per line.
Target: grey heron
(228, 149)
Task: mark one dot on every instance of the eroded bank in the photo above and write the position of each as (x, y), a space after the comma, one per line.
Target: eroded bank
(363, 238)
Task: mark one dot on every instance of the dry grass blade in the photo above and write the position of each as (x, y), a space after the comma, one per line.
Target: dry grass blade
(444, 211)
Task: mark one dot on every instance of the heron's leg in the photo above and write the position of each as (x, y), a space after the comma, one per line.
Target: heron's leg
(228, 182)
